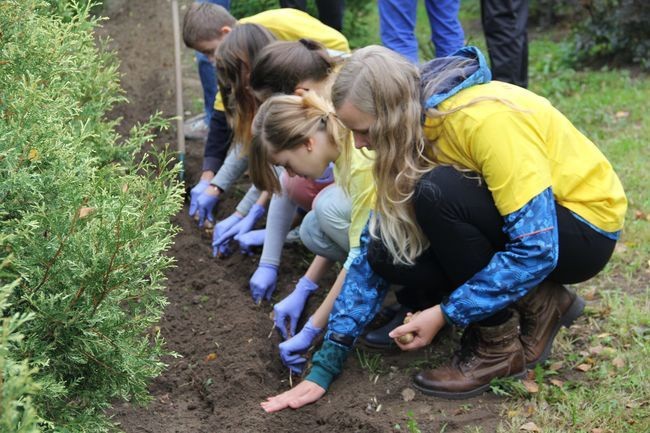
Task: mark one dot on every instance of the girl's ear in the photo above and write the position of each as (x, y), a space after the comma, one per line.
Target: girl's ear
(309, 144)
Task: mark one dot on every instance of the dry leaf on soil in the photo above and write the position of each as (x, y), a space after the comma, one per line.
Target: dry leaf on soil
(530, 426)
(408, 394)
(557, 382)
(583, 367)
(618, 362)
(530, 386)
(210, 357)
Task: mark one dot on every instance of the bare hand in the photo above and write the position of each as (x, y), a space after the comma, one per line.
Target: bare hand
(302, 394)
(424, 326)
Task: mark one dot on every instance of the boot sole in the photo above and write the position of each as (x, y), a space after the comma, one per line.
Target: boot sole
(572, 313)
(464, 394)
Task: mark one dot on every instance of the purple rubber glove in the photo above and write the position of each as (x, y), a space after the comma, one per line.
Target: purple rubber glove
(222, 227)
(291, 350)
(291, 307)
(243, 226)
(194, 195)
(205, 205)
(263, 281)
(327, 176)
(254, 238)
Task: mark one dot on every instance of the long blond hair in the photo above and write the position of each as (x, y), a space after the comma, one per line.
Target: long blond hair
(385, 85)
(284, 122)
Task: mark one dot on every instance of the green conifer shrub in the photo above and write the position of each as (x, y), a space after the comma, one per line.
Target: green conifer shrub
(87, 223)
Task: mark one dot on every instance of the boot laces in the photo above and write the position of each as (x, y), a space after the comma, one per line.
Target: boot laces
(469, 342)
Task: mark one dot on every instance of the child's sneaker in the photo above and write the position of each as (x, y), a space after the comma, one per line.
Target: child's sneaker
(196, 128)
(293, 236)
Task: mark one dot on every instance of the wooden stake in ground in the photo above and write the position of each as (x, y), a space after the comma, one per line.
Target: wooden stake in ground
(180, 136)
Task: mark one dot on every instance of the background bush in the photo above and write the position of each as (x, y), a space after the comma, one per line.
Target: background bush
(614, 31)
(85, 222)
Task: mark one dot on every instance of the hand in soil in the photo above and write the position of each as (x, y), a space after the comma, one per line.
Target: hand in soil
(242, 226)
(247, 241)
(291, 350)
(423, 326)
(206, 202)
(262, 283)
(304, 393)
(290, 308)
(221, 249)
(195, 192)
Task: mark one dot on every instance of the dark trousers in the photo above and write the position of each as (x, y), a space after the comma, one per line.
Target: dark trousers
(330, 12)
(504, 25)
(465, 230)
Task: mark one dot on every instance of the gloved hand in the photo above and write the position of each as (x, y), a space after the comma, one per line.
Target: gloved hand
(205, 204)
(247, 241)
(243, 226)
(222, 227)
(263, 281)
(328, 175)
(291, 307)
(291, 350)
(195, 192)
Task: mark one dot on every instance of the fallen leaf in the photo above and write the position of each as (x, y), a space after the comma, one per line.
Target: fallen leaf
(511, 413)
(555, 366)
(530, 386)
(597, 430)
(632, 405)
(583, 367)
(530, 375)
(530, 426)
(125, 188)
(85, 211)
(622, 114)
(596, 350)
(639, 215)
(408, 394)
(590, 294)
(603, 335)
(210, 357)
(618, 362)
(557, 382)
(33, 154)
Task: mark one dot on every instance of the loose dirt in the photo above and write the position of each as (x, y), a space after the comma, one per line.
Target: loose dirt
(227, 363)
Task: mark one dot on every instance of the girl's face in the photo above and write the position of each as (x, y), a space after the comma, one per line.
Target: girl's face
(358, 122)
(309, 159)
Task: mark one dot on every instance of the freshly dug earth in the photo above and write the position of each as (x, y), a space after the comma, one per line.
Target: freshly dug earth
(228, 359)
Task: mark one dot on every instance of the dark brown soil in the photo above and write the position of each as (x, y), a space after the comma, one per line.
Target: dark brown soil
(210, 310)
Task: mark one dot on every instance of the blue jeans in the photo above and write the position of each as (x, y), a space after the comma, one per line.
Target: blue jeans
(397, 26)
(208, 73)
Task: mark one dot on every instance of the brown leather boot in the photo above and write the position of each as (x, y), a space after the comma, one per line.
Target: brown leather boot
(542, 312)
(486, 352)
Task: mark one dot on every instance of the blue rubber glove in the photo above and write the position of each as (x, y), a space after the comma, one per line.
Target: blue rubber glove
(292, 349)
(291, 307)
(194, 195)
(263, 281)
(243, 226)
(247, 241)
(222, 227)
(205, 204)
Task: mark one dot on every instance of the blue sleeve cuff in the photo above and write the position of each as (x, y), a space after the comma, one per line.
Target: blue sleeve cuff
(327, 363)
(211, 163)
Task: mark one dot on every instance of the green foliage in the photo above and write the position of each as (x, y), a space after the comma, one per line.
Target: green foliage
(614, 31)
(548, 13)
(87, 225)
(17, 413)
(412, 424)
